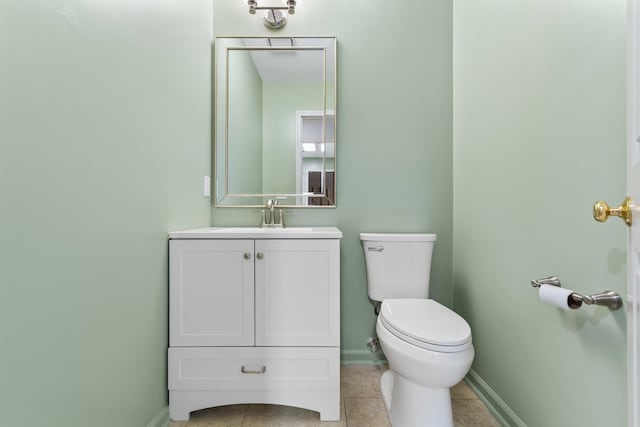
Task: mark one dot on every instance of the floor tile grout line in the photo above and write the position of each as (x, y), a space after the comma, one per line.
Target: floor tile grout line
(344, 405)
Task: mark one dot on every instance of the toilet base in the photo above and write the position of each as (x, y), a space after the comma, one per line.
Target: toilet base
(411, 405)
(386, 386)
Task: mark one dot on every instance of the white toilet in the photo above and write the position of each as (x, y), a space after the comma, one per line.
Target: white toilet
(428, 346)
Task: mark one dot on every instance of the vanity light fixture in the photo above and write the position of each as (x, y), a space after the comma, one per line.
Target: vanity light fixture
(274, 17)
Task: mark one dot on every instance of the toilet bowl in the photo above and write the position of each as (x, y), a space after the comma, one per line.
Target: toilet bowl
(423, 363)
(428, 346)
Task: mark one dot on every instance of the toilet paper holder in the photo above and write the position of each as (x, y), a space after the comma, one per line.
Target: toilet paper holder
(610, 299)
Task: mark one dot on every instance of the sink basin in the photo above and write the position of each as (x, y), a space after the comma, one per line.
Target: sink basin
(258, 233)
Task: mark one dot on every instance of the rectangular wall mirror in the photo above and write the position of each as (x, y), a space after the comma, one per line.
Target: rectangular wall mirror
(275, 121)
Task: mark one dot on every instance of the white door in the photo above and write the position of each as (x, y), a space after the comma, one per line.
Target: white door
(633, 190)
(298, 292)
(211, 293)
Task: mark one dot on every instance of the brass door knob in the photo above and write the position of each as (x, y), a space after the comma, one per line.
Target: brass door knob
(602, 211)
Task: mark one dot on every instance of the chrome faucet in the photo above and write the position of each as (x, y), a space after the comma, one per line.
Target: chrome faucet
(271, 206)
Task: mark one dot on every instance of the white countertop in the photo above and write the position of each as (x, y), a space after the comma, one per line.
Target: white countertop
(258, 233)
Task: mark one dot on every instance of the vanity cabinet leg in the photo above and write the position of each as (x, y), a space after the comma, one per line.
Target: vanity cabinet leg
(178, 410)
(179, 416)
(331, 409)
(330, 415)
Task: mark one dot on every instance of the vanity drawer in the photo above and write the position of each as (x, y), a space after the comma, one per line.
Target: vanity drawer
(265, 368)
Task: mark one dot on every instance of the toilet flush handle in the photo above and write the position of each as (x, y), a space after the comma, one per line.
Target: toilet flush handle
(376, 249)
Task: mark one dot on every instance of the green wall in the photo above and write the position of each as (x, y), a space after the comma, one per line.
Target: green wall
(393, 135)
(104, 142)
(539, 131)
(105, 122)
(245, 126)
(281, 102)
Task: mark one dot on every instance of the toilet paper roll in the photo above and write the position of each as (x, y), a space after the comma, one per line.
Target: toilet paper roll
(560, 297)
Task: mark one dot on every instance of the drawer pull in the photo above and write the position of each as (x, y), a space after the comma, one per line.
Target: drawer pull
(261, 371)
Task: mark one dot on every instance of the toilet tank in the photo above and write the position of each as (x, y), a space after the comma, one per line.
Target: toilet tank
(398, 264)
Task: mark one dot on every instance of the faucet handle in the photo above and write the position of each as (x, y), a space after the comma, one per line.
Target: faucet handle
(263, 223)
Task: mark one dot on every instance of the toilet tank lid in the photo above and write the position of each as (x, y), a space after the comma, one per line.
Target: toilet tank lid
(398, 237)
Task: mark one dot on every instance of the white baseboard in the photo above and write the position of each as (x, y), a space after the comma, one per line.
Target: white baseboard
(498, 408)
(161, 419)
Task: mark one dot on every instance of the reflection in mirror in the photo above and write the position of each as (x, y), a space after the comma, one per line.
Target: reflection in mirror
(275, 121)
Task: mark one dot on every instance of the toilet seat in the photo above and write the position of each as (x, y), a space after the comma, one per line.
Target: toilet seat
(427, 324)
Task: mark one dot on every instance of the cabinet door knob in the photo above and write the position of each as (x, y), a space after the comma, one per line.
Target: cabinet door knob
(247, 255)
(259, 255)
(259, 371)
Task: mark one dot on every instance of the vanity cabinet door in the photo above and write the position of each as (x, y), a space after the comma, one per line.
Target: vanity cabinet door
(211, 293)
(298, 293)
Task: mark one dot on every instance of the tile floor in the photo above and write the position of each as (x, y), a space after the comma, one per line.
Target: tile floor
(361, 406)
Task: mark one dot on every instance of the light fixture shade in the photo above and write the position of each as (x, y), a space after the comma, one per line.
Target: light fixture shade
(274, 19)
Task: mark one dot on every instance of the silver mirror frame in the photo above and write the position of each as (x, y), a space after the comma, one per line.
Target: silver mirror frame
(217, 192)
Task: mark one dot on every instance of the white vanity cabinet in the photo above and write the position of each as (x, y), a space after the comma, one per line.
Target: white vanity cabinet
(254, 318)
(297, 293)
(211, 293)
